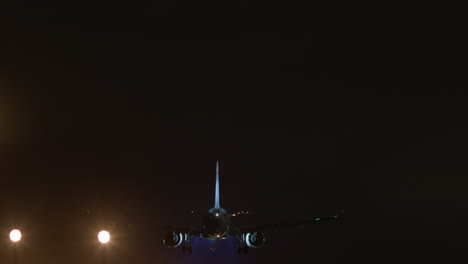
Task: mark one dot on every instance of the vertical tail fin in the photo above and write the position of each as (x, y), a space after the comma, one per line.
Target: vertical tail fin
(216, 205)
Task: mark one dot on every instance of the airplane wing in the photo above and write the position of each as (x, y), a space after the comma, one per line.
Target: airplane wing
(238, 213)
(298, 223)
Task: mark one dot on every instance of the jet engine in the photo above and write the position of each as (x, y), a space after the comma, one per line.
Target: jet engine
(173, 239)
(255, 240)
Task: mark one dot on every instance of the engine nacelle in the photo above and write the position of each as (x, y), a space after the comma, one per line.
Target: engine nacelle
(173, 239)
(255, 240)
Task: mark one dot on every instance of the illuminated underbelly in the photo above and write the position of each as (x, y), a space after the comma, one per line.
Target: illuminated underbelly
(223, 235)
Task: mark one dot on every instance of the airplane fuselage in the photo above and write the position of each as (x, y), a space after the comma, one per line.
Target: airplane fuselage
(216, 224)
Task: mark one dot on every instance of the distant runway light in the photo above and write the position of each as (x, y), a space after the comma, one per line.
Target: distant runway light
(104, 237)
(15, 235)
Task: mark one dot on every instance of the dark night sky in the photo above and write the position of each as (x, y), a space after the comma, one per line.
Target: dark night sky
(113, 115)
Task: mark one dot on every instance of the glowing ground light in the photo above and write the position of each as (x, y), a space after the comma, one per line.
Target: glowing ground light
(15, 235)
(104, 237)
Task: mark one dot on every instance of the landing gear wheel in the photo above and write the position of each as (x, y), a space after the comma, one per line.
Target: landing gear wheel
(184, 249)
(241, 250)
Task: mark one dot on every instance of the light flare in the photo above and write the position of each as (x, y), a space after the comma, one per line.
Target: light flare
(15, 235)
(104, 237)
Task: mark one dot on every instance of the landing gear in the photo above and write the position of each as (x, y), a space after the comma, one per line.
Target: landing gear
(187, 249)
(213, 248)
(243, 249)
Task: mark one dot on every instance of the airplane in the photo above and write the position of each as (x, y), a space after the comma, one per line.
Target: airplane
(216, 225)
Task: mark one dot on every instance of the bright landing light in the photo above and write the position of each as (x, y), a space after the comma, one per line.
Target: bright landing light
(104, 237)
(15, 235)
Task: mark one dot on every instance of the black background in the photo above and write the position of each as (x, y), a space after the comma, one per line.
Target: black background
(112, 116)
